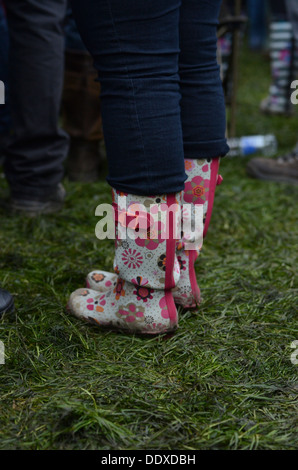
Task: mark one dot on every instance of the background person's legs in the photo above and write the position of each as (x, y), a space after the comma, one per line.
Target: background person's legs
(4, 109)
(35, 154)
(81, 109)
(282, 56)
(283, 169)
(6, 301)
(257, 23)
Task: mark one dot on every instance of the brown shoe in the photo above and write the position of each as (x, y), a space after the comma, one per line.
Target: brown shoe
(282, 170)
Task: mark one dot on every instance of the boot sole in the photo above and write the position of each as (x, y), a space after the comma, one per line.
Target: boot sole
(124, 330)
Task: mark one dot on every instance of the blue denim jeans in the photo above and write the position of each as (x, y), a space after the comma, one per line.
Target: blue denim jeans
(162, 98)
(4, 109)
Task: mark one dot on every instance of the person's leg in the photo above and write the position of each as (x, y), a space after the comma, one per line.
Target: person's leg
(281, 57)
(292, 9)
(6, 300)
(35, 153)
(81, 108)
(202, 104)
(282, 61)
(81, 117)
(135, 46)
(73, 40)
(4, 108)
(257, 23)
(203, 122)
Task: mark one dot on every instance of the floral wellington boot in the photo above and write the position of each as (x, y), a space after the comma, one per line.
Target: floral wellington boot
(199, 189)
(139, 299)
(202, 178)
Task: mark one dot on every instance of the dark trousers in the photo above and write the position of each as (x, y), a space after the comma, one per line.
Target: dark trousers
(161, 97)
(73, 40)
(37, 148)
(4, 113)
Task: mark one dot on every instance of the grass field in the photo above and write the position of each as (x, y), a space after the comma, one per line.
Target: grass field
(223, 381)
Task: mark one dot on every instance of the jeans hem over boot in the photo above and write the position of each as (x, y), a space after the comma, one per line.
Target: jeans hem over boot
(208, 149)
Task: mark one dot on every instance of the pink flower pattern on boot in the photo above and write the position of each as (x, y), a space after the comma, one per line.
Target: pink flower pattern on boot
(195, 190)
(132, 258)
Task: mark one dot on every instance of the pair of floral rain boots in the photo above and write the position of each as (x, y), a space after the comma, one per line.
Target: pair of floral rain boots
(155, 272)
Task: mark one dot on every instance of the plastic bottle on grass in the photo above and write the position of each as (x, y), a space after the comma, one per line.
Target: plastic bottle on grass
(248, 145)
